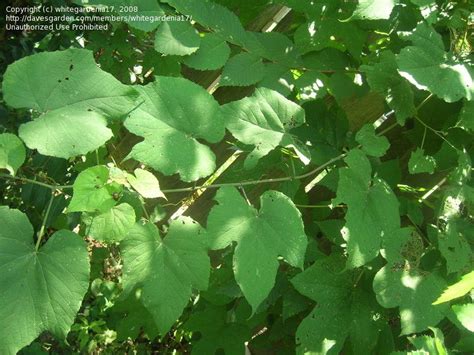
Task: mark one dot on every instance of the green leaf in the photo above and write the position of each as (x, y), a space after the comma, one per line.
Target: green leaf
(372, 144)
(215, 16)
(459, 289)
(413, 292)
(217, 333)
(465, 314)
(243, 69)
(264, 120)
(112, 225)
(420, 163)
(176, 38)
(454, 246)
(373, 10)
(92, 192)
(330, 32)
(211, 55)
(427, 66)
(61, 133)
(383, 77)
(12, 152)
(129, 318)
(466, 117)
(372, 213)
(261, 236)
(342, 311)
(74, 97)
(166, 269)
(39, 290)
(175, 114)
(274, 46)
(145, 183)
(430, 345)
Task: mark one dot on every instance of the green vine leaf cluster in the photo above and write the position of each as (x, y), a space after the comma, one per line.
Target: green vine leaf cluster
(240, 177)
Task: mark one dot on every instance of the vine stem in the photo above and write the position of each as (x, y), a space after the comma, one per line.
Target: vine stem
(43, 225)
(436, 132)
(36, 182)
(262, 181)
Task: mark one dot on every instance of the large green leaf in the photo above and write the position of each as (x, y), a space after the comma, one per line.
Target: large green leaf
(175, 114)
(372, 213)
(112, 225)
(166, 269)
(341, 310)
(244, 69)
(212, 53)
(261, 236)
(74, 97)
(39, 290)
(265, 120)
(426, 65)
(413, 292)
(176, 38)
(12, 152)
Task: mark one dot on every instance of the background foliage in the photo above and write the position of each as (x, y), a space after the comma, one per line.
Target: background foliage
(278, 176)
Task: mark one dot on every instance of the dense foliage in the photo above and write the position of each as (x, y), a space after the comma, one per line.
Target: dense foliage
(278, 176)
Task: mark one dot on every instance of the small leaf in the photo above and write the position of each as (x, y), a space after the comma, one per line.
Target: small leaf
(112, 225)
(176, 38)
(466, 117)
(243, 69)
(373, 10)
(215, 16)
(39, 290)
(430, 345)
(12, 152)
(92, 192)
(371, 143)
(146, 184)
(420, 163)
(166, 269)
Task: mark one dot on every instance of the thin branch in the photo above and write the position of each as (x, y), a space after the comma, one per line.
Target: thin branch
(262, 181)
(39, 183)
